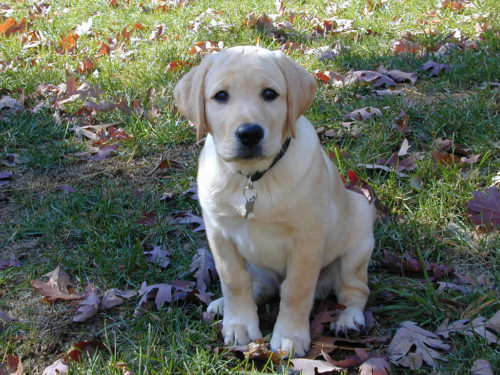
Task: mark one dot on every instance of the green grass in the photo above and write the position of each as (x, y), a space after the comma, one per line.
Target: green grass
(93, 232)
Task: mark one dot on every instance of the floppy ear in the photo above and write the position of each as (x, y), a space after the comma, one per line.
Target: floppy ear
(189, 94)
(301, 87)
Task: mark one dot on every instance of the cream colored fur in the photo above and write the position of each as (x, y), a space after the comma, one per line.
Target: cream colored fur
(307, 235)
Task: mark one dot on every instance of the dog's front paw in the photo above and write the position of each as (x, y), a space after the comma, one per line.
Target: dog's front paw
(296, 342)
(240, 330)
(350, 323)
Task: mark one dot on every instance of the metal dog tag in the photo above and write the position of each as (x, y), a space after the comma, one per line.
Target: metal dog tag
(250, 195)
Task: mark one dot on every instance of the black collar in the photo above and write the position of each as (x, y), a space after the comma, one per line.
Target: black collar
(258, 175)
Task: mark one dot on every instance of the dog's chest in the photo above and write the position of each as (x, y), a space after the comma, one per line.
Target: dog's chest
(263, 244)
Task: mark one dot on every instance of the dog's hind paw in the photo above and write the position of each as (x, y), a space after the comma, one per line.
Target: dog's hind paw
(216, 307)
(350, 323)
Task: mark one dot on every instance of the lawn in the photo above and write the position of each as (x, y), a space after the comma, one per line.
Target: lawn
(96, 168)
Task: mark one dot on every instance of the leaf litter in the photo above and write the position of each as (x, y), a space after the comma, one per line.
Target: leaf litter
(411, 346)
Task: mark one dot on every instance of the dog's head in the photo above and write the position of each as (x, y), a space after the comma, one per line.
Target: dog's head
(248, 99)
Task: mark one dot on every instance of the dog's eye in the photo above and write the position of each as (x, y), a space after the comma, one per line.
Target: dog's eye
(269, 95)
(221, 96)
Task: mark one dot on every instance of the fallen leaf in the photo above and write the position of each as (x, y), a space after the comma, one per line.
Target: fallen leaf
(203, 268)
(405, 46)
(89, 306)
(374, 78)
(12, 27)
(410, 264)
(57, 368)
(5, 178)
(9, 107)
(84, 348)
(494, 322)
(203, 48)
(104, 153)
(481, 367)
(436, 68)
(259, 349)
(359, 185)
(485, 209)
(427, 347)
(443, 285)
(166, 163)
(147, 218)
(330, 77)
(66, 189)
(452, 4)
(10, 160)
(348, 362)
(313, 366)
(192, 191)
(401, 123)
(165, 293)
(444, 159)
(475, 281)
(84, 28)
(400, 76)
(58, 287)
(11, 262)
(68, 41)
(14, 366)
(363, 114)
(5, 316)
(189, 218)
(158, 255)
(468, 328)
(322, 318)
(375, 366)
(112, 297)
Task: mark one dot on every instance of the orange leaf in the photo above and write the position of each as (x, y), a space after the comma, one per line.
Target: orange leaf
(104, 50)
(403, 46)
(444, 159)
(452, 4)
(68, 42)
(11, 27)
(85, 65)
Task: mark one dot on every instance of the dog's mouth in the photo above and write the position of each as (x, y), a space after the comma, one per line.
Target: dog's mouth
(244, 153)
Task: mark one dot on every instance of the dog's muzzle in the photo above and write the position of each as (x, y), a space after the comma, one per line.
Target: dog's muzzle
(249, 137)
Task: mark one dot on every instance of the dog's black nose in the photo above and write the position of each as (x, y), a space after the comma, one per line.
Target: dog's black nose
(249, 134)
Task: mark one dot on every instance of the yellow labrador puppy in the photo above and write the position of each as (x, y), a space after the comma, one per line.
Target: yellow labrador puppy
(278, 218)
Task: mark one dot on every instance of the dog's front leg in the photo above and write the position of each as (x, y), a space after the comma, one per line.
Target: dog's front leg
(240, 324)
(292, 332)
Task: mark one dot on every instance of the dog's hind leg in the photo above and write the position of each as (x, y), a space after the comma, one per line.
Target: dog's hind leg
(351, 287)
(264, 287)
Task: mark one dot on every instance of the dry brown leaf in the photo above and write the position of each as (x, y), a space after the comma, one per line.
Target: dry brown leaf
(258, 349)
(14, 366)
(405, 46)
(11, 27)
(202, 48)
(58, 287)
(481, 367)
(436, 68)
(314, 366)
(468, 328)
(89, 306)
(375, 366)
(363, 114)
(427, 347)
(494, 322)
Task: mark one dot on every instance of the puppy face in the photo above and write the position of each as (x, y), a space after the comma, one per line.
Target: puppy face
(246, 106)
(248, 98)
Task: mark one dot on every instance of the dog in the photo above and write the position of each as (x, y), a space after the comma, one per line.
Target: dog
(278, 217)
